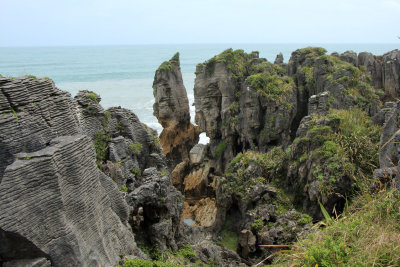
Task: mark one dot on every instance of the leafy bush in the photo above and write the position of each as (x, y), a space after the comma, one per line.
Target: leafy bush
(93, 96)
(136, 148)
(101, 144)
(123, 188)
(257, 225)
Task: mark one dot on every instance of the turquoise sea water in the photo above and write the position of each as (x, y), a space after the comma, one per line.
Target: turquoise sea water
(123, 75)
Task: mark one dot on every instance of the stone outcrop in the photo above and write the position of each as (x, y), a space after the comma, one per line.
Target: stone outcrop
(32, 113)
(242, 102)
(171, 108)
(391, 73)
(157, 208)
(63, 209)
(66, 167)
(389, 149)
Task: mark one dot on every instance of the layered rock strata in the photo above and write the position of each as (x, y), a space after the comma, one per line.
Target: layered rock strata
(171, 108)
(67, 167)
(70, 213)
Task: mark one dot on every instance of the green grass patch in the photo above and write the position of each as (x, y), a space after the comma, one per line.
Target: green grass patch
(93, 96)
(367, 234)
(170, 65)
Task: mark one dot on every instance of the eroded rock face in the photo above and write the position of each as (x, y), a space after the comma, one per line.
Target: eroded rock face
(391, 73)
(239, 106)
(171, 108)
(157, 207)
(61, 192)
(32, 113)
(71, 213)
(373, 66)
(389, 149)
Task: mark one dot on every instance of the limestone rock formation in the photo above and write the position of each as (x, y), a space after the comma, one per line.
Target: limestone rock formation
(242, 102)
(391, 73)
(373, 66)
(171, 108)
(32, 113)
(157, 208)
(66, 167)
(389, 149)
(69, 213)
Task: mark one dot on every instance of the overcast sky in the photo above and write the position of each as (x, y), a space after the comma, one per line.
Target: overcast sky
(114, 22)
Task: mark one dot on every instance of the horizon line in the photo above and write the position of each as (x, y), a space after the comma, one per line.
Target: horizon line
(183, 44)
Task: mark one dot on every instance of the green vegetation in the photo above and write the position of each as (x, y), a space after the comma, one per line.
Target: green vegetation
(90, 110)
(170, 65)
(164, 173)
(136, 172)
(311, 52)
(220, 149)
(273, 86)
(101, 144)
(345, 148)
(31, 76)
(270, 163)
(355, 80)
(229, 238)
(186, 252)
(305, 218)
(93, 96)
(169, 258)
(136, 148)
(257, 225)
(367, 234)
(156, 141)
(123, 188)
(234, 60)
(120, 127)
(148, 263)
(27, 158)
(14, 113)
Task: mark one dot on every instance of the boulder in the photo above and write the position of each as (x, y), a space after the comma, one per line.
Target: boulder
(197, 154)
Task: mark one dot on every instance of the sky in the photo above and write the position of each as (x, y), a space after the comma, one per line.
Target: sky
(128, 22)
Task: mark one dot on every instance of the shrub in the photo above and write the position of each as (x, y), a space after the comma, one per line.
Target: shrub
(257, 225)
(93, 96)
(136, 148)
(123, 188)
(101, 144)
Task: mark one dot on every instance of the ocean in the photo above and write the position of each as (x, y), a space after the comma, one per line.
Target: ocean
(123, 75)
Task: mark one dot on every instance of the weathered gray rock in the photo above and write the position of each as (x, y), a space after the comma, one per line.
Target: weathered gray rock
(232, 109)
(161, 206)
(171, 108)
(350, 56)
(389, 151)
(319, 104)
(59, 202)
(373, 66)
(197, 154)
(39, 262)
(279, 59)
(32, 113)
(247, 243)
(391, 73)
